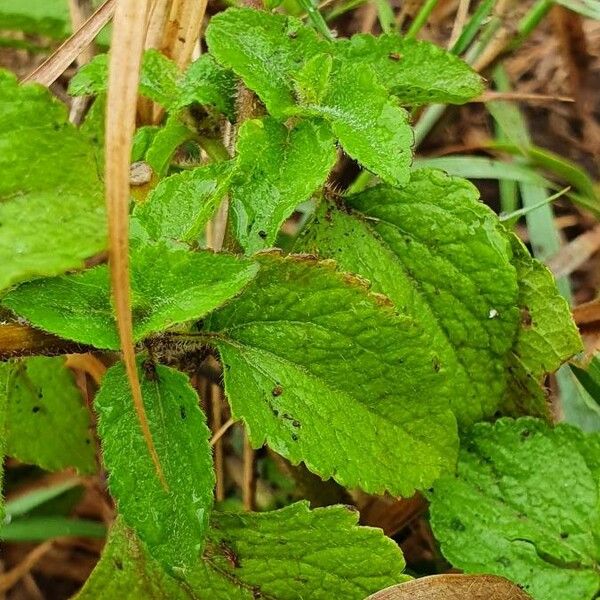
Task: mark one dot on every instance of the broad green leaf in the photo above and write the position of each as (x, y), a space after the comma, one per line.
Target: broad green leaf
(524, 505)
(546, 338)
(371, 126)
(50, 178)
(158, 78)
(442, 257)
(285, 555)
(265, 50)
(172, 522)
(204, 82)
(327, 374)
(208, 83)
(312, 81)
(179, 207)
(418, 72)
(169, 286)
(47, 423)
(276, 170)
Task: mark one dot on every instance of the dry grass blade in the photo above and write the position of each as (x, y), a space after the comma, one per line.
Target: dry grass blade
(53, 67)
(183, 29)
(574, 254)
(9, 579)
(453, 587)
(123, 77)
(490, 96)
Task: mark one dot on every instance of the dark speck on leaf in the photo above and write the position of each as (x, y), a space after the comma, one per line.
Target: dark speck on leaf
(296, 423)
(262, 234)
(395, 56)
(150, 370)
(182, 412)
(525, 434)
(35, 409)
(118, 565)
(294, 437)
(277, 391)
(564, 535)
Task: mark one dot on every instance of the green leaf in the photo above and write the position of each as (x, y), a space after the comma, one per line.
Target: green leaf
(327, 374)
(47, 423)
(589, 377)
(204, 82)
(319, 554)
(165, 143)
(442, 257)
(158, 78)
(524, 505)
(265, 50)
(418, 72)
(173, 521)
(312, 81)
(371, 127)
(179, 207)
(169, 286)
(208, 83)
(40, 529)
(50, 178)
(276, 170)
(546, 338)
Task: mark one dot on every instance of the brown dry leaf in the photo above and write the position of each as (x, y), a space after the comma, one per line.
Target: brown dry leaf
(54, 66)
(453, 587)
(17, 340)
(574, 254)
(128, 37)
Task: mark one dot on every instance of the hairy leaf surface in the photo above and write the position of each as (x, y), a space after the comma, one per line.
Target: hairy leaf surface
(524, 505)
(204, 82)
(442, 257)
(276, 170)
(418, 72)
(296, 346)
(317, 554)
(179, 207)
(371, 127)
(47, 423)
(546, 338)
(50, 178)
(265, 50)
(169, 285)
(172, 522)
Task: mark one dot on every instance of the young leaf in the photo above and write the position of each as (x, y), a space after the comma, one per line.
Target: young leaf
(319, 554)
(327, 374)
(276, 170)
(165, 143)
(207, 83)
(172, 522)
(46, 422)
(418, 72)
(50, 178)
(265, 50)
(524, 505)
(371, 127)
(169, 286)
(546, 338)
(204, 82)
(442, 257)
(179, 207)
(158, 78)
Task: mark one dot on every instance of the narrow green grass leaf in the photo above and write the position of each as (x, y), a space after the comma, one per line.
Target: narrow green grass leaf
(40, 529)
